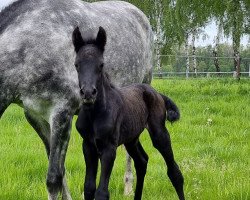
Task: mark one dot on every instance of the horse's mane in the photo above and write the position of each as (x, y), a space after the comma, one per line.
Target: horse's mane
(11, 12)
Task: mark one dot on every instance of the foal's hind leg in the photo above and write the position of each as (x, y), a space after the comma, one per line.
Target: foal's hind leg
(140, 158)
(161, 141)
(43, 130)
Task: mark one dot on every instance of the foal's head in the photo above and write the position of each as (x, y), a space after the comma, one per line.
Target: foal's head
(89, 63)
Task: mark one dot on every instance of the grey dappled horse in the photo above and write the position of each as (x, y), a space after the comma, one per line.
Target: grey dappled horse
(37, 68)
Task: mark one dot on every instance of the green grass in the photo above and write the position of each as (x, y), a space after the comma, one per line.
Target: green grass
(211, 143)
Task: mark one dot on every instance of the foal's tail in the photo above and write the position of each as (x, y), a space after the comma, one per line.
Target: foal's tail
(173, 113)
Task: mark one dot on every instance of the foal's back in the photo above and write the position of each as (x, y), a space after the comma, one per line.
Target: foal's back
(141, 102)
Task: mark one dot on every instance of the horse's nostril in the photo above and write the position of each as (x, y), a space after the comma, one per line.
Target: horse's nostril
(94, 91)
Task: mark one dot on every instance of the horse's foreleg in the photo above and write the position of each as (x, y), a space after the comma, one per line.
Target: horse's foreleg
(40, 126)
(91, 161)
(128, 177)
(2, 109)
(107, 157)
(140, 158)
(43, 130)
(161, 141)
(3, 106)
(59, 138)
(65, 190)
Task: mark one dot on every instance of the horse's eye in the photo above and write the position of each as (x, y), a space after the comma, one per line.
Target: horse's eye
(101, 66)
(76, 65)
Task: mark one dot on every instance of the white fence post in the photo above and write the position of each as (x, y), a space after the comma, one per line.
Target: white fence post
(234, 74)
(249, 71)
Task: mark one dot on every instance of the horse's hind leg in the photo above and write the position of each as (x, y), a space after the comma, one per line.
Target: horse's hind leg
(161, 141)
(140, 158)
(43, 130)
(128, 176)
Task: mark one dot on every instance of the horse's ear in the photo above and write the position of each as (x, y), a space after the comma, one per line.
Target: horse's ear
(77, 39)
(101, 38)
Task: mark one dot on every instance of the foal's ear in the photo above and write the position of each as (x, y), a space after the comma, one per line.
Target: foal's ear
(77, 39)
(101, 38)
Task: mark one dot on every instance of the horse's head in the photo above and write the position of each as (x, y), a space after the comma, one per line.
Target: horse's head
(89, 63)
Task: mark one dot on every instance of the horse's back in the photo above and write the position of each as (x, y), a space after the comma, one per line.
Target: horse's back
(128, 54)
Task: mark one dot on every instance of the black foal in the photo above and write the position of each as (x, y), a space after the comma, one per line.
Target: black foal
(110, 117)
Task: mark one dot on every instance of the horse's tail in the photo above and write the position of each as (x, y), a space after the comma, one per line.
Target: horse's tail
(173, 113)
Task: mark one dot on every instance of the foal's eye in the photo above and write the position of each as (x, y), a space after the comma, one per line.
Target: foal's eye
(101, 66)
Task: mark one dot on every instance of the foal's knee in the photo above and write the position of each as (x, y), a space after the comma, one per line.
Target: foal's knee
(157, 142)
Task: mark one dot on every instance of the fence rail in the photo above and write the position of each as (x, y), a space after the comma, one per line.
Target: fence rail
(199, 74)
(200, 66)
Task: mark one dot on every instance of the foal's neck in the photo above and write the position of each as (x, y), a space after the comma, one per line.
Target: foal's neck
(104, 87)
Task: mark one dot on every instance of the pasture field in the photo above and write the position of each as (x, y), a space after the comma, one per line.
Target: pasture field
(211, 143)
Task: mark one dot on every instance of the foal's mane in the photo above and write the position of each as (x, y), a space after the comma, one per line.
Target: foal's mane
(107, 80)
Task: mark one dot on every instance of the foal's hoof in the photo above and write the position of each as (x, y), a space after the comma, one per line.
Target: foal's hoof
(101, 195)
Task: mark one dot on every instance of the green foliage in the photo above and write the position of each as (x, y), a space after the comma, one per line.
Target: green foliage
(191, 15)
(181, 16)
(210, 142)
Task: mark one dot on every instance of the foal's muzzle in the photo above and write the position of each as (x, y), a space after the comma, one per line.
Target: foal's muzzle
(88, 95)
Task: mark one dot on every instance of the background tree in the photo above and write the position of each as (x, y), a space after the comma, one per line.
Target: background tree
(216, 46)
(234, 17)
(177, 22)
(191, 16)
(161, 16)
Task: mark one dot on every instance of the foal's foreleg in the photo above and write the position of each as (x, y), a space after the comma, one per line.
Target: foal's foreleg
(43, 130)
(107, 157)
(161, 141)
(140, 158)
(91, 161)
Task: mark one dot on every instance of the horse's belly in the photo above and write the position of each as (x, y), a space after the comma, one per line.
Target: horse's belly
(37, 106)
(44, 98)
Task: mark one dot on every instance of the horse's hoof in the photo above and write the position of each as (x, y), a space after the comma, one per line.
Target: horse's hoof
(128, 190)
